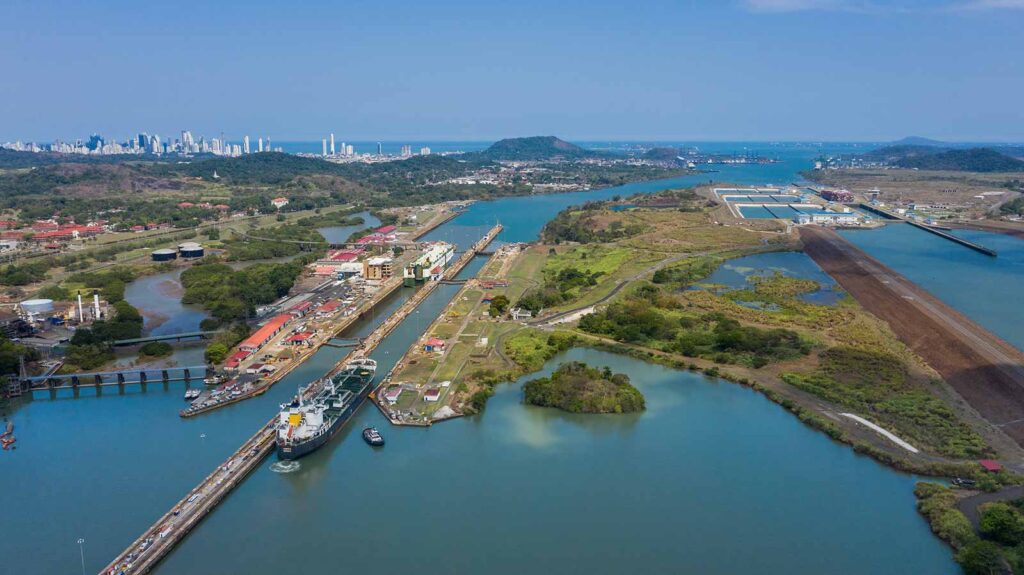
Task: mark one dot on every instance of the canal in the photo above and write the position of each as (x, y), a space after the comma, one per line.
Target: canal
(713, 478)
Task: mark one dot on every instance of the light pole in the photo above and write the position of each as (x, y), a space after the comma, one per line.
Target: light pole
(81, 552)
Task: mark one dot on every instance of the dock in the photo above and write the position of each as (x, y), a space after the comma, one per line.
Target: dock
(939, 231)
(156, 542)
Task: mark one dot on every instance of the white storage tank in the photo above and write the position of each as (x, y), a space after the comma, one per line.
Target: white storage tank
(37, 306)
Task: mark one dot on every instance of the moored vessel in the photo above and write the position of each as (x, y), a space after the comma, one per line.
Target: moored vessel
(307, 423)
(430, 265)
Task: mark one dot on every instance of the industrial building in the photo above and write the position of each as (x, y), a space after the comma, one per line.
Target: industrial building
(378, 269)
(828, 218)
(264, 334)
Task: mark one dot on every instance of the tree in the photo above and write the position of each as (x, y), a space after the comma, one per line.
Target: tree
(1002, 523)
(981, 558)
(499, 305)
(216, 353)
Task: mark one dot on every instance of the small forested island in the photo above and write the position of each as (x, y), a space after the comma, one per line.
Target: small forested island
(578, 388)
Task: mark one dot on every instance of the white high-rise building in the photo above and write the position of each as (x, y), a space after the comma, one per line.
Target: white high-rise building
(349, 151)
(324, 142)
(245, 145)
(424, 151)
(259, 145)
(332, 144)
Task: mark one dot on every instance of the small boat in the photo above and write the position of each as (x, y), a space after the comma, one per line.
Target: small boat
(373, 437)
(191, 394)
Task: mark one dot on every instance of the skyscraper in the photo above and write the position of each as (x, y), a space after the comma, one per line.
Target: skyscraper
(259, 144)
(380, 149)
(332, 144)
(245, 145)
(324, 142)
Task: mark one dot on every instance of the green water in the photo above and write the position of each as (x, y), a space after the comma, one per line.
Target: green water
(713, 478)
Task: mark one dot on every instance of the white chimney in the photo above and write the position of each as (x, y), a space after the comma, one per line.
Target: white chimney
(81, 316)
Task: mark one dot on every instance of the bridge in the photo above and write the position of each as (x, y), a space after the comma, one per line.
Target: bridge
(166, 337)
(98, 380)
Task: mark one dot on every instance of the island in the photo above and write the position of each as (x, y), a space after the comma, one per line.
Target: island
(578, 388)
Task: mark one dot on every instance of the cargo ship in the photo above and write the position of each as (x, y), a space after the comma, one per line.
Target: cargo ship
(430, 265)
(306, 424)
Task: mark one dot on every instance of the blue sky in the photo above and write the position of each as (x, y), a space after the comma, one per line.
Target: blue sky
(438, 69)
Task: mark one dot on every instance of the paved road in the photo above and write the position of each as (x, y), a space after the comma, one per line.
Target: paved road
(969, 505)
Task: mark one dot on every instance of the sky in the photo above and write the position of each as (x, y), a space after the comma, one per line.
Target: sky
(808, 70)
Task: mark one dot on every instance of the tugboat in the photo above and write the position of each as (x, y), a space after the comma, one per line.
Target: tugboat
(373, 437)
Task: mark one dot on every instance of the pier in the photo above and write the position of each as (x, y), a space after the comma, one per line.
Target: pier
(931, 229)
(157, 541)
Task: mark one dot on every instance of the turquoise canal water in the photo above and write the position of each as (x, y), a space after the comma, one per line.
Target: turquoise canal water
(712, 479)
(984, 288)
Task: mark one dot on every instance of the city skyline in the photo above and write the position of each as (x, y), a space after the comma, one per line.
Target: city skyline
(756, 70)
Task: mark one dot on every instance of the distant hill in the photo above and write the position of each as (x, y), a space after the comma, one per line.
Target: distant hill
(895, 153)
(971, 160)
(662, 154)
(919, 141)
(535, 148)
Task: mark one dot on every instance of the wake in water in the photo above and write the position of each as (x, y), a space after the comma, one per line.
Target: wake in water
(285, 466)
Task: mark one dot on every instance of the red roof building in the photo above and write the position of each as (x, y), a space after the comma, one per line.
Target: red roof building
(301, 309)
(386, 230)
(185, 205)
(345, 255)
(235, 359)
(300, 338)
(433, 344)
(991, 465)
(328, 307)
(257, 340)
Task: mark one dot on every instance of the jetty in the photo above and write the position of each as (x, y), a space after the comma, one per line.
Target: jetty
(158, 540)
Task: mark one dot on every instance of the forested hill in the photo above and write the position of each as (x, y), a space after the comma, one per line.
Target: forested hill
(264, 168)
(535, 148)
(972, 160)
(959, 160)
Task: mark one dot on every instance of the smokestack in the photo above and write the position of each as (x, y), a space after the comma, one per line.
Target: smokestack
(81, 315)
(96, 304)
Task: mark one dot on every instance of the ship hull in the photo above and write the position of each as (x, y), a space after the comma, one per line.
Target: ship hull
(297, 450)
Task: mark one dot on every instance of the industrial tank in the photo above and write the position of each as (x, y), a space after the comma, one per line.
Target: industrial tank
(190, 250)
(164, 255)
(37, 306)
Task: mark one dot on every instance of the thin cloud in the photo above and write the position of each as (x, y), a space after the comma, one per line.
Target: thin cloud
(991, 5)
(878, 6)
(794, 5)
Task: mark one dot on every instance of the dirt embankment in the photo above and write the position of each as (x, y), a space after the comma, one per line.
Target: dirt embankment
(985, 370)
